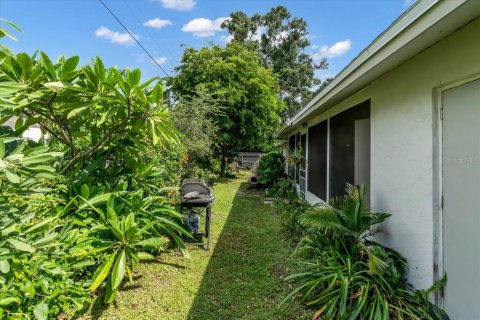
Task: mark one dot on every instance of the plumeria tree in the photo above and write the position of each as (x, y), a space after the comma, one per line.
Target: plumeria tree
(88, 109)
(77, 214)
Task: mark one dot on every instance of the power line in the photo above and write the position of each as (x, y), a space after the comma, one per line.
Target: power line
(152, 38)
(133, 37)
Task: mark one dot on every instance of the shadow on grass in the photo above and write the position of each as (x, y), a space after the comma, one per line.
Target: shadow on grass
(243, 279)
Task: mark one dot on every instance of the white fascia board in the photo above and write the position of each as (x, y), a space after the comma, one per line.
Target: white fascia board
(403, 31)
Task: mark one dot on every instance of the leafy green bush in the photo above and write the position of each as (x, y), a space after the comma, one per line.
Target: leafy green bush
(341, 286)
(347, 275)
(54, 234)
(271, 168)
(283, 189)
(291, 211)
(77, 215)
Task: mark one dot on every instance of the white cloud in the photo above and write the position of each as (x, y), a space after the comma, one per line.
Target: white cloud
(157, 23)
(142, 58)
(160, 60)
(226, 38)
(202, 27)
(123, 39)
(181, 5)
(336, 50)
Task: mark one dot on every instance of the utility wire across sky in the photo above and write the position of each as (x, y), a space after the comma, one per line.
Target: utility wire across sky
(133, 37)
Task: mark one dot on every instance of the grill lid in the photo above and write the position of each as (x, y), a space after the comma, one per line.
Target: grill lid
(192, 185)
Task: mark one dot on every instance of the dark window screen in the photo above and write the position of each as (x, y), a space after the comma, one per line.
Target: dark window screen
(297, 167)
(317, 159)
(304, 150)
(342, 147)
(291, 148)
(291, 143)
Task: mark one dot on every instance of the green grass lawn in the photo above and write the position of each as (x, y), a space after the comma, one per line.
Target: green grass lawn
(241, 277)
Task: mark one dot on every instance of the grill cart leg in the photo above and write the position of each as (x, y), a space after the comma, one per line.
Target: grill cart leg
(208, 218)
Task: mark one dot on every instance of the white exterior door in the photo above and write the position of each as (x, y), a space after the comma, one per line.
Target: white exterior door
(461, 192)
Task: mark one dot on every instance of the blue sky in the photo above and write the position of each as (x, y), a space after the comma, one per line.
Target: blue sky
(339, 29)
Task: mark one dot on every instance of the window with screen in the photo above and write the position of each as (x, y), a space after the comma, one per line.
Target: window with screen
(350, 148)
(297, 166)
(291, 149)
(303, 145)
(317, 159)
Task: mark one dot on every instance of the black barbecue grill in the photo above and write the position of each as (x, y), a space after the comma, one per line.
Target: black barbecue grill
(196, 196)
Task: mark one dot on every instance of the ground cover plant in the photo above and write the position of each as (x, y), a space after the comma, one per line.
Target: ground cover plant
(78, 214)
(346, 274)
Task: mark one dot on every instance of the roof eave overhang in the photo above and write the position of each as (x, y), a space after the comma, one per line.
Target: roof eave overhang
(425, 23)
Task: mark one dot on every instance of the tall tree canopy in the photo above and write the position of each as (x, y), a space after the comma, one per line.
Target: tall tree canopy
(245, 90)
(281, 42)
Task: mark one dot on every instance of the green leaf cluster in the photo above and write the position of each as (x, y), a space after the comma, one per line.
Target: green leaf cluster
(345, 274)
(271, 168)
(240, 87)
(281, 41)
(80, 208)
(4, 32)
(88, 110)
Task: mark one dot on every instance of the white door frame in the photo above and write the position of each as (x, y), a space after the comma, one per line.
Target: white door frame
(438, 266)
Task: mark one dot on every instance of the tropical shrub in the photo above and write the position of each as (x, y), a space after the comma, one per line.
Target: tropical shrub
(346, 274)
(37, 273)
(283, 189)
(79, 213)
(271, 168)
(291, 212)
(157, 170)
(340, 286)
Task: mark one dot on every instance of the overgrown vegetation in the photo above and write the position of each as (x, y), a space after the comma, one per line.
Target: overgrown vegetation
(79, 213)
(271, 168)
(193, 115)
(247, 92)
(283, 189)
(345, 273)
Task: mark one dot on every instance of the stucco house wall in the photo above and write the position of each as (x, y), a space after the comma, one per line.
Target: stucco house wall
(404, 170)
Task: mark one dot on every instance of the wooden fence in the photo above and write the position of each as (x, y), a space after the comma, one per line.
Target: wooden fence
(247, 159)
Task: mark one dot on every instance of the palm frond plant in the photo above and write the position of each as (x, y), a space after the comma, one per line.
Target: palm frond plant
(345, 216)
(348, 223)
(346, 274)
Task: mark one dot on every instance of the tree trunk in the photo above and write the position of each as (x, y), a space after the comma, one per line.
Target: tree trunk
(223, 166)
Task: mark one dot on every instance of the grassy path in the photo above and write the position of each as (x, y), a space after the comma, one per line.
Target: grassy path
(239, 278)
